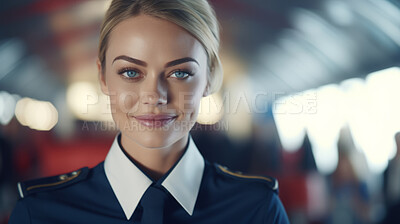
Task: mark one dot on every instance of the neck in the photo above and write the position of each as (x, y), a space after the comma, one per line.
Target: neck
(155, 162)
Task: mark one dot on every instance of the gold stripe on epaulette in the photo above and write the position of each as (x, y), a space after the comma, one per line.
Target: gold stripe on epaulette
(56, 183)
(244, 176)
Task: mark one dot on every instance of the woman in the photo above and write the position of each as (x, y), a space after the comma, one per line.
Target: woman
(157, 59)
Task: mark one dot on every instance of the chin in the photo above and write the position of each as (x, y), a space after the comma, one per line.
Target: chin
(152, 139)
(152, 143)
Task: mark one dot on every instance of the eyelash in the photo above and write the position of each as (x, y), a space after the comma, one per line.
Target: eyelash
(122, 71)
(189, 74)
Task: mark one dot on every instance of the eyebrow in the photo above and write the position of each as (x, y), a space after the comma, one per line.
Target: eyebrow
(133, 60)
(144, 64)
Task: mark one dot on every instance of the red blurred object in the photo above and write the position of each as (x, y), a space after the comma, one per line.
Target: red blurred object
(56, 158)
(293, 182)
(293, 192)
(23, 160)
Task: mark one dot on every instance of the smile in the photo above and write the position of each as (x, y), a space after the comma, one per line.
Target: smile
(155, 121)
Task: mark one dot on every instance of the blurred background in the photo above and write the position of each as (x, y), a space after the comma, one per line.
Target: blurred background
(310, 96)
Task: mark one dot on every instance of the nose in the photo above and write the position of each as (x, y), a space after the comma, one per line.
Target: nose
(153, 91)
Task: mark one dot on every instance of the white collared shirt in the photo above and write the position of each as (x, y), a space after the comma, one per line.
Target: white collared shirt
(129, 183)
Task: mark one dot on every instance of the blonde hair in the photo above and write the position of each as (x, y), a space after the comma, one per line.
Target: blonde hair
(195, 16)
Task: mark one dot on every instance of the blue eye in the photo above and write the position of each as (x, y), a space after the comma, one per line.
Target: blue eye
(180, 74)
(129, 73)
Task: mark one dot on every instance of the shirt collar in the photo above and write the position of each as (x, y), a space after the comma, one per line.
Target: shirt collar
(129, 183)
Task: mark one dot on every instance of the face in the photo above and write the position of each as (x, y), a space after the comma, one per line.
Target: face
(155, 74)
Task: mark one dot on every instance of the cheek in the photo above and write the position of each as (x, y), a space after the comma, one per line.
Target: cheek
(127, 101)
(122, 99)
(188, 97)
(188, 102)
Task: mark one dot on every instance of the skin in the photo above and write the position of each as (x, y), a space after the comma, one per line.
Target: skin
(154, 89)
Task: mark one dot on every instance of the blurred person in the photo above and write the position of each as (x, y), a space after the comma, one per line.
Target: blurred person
(392, 177)
(18, 160)
(350, 200)
(157, 59)
(391, 186)
(307, 203)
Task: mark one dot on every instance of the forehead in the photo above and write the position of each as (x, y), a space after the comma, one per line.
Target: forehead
(150, 38)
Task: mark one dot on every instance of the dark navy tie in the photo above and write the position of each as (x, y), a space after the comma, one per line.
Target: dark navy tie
(153, 201)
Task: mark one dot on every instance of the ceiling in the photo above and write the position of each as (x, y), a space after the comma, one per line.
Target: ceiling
(287, 46)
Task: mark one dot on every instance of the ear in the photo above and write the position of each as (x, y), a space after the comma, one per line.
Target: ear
(102, 78)
(206, 90)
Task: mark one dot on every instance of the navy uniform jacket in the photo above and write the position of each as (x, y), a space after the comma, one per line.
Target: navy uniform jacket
(197, 192)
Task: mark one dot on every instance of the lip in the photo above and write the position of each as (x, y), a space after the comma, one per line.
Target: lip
(155, 120)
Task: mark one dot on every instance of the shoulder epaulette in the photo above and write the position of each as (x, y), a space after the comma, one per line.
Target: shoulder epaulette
(29, 187)
(270, 181)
